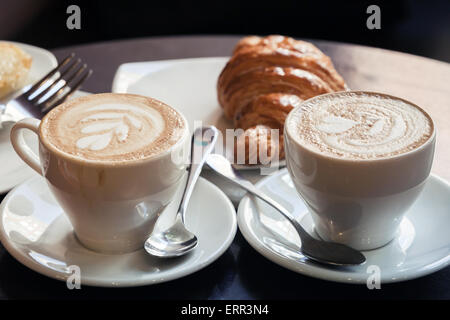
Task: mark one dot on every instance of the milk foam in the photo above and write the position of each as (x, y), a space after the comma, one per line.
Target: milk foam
(359, 126)
(113, 127)
(101, 127)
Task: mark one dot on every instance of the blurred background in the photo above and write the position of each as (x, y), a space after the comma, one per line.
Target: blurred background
(413, 26)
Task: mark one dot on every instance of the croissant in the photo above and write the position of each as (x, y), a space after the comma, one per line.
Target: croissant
(265, 79)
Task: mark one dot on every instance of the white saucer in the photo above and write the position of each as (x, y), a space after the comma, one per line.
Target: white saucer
(13, 170)
(34, 229)
(186, 84)
(421, 247)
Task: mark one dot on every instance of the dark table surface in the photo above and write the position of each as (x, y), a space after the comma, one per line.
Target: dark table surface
(242, 273)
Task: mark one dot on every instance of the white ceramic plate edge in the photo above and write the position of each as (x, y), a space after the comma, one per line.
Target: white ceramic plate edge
(23, 174)
(43, 51)
(135, 70)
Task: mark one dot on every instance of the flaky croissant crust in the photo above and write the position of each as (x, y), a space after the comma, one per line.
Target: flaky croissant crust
(266, 77)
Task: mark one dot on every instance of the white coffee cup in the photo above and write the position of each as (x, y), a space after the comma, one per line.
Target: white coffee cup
(113, 208)
(359, 203)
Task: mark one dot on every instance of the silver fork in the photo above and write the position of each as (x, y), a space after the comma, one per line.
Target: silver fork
(36, 100)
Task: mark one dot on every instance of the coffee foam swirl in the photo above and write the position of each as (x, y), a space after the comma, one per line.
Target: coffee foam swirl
(105, 122)
(360, 125)
(113, 127)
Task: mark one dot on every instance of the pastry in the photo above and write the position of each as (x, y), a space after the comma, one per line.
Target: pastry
(265, 79)
(14, 67)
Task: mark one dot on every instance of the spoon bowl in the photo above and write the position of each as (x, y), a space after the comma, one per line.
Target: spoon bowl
(321, 251)
(173, 242)
(177, 240)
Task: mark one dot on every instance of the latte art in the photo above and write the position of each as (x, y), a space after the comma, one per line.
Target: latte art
(115, 121)
(113, 127)
(360, 126)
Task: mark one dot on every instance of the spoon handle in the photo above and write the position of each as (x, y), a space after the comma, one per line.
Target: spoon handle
(224, 168)
(203, 141)
(256, 192)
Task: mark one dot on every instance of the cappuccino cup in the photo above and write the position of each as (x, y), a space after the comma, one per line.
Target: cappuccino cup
(358, 160)
(112, 161)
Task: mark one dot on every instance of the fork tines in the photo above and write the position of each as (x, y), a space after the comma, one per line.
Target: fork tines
(58, 84)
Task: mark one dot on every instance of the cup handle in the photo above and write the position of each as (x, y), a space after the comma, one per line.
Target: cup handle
(21, 147)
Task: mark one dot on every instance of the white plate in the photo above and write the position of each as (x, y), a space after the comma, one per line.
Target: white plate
(189, 85)
(42, 61)
(34, 229)
(421, 247)
(12, 169)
